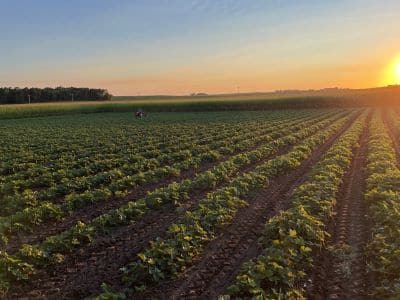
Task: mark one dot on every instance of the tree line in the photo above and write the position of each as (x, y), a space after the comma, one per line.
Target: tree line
(36, 95)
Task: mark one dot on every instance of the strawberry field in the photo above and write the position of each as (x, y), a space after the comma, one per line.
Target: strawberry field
(280, 204)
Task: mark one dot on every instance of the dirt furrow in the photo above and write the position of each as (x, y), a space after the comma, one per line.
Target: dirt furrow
(341, 271)
(216, 270)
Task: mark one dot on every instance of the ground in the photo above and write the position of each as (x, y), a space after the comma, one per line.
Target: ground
(85, 196)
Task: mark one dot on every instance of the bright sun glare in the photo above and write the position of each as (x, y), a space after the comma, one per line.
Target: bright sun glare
(397, 72)
(392, 72)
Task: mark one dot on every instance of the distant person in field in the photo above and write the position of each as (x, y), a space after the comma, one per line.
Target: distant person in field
(140, 114)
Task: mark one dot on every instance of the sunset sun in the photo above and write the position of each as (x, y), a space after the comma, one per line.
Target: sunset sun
(391, 73)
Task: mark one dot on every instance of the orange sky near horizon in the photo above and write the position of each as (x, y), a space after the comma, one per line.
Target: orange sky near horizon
(225, 78)
(243, 77)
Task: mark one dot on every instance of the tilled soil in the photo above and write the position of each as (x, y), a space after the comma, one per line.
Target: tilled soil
(90, 212)
(340, 272)
(217, 269)
(86, 214)
(82, 273)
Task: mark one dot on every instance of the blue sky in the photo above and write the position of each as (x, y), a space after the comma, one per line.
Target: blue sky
(182, 46)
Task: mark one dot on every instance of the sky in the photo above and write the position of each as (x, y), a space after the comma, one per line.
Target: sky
(144, 47)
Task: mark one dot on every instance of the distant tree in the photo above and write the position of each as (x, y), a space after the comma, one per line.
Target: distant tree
(16, 95)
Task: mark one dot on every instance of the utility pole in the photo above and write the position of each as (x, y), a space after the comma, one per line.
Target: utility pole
(29, 99)
(72, 97)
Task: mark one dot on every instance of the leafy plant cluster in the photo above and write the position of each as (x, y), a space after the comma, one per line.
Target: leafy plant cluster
(176, 193)
(155, 151)
(168, 257)
(289, 239)
(76, 174)
(11, 270)
(383, 198)
(52, 249)
(25, 219)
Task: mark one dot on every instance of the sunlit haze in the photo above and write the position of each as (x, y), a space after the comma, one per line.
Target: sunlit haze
(181, 46)
(398, 72)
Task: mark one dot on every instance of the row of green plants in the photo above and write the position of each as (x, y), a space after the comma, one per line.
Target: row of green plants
(209, 179)
(383, 198)
(176, 193)
(39, 141)
(72, 186)
(27, 218)
(48, 173)
(137, 146)
(53, 248)
(61, 183)
(54, 181)
(168, 257)
(290, 239)
(146, 151)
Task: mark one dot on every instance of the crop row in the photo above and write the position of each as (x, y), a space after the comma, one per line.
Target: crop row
(13, 201)
(167, 257)
(233, 164)
(51, 178)
(176, 193)
(290, 238)
(135, 149)
(216, 138)
(50, 249)
(82, 184)
(26, 219)
(383, 198)
(22, 148)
